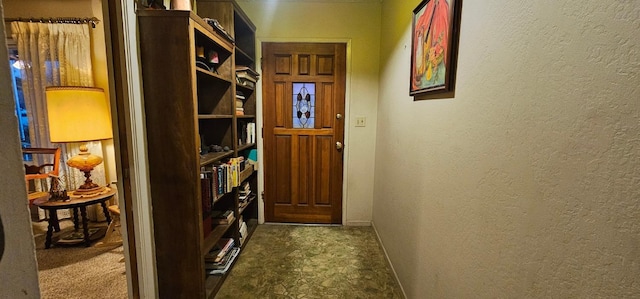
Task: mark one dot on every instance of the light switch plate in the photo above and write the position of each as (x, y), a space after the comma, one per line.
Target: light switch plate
(361, 121)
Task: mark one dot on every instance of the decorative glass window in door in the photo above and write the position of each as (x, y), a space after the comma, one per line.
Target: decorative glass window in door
(304, 105)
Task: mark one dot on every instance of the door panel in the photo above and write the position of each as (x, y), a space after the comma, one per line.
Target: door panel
(282, 169)
(303, 91)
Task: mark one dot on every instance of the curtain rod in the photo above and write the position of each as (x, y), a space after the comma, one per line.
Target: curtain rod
(93, 20)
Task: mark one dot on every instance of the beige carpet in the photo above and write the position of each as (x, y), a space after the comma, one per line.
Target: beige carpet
(78, 271)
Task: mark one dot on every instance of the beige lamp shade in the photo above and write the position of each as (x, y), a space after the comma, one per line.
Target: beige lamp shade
(77, 114)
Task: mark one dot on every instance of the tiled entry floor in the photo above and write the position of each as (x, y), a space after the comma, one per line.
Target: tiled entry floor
(290, 261)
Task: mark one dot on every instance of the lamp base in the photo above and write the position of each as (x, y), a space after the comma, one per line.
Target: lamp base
(88, 192)
(85, 162)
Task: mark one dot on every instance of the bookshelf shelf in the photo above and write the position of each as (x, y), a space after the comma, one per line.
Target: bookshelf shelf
(214, 236)
(246, 146)
(243, 58)
(202, 73)
(246, 173)
(211, 158)
(214, 116)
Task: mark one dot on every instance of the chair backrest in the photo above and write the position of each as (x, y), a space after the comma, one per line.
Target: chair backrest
(37, 171)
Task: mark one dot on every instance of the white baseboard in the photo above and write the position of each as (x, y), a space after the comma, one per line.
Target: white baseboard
(358, 223)
(388, 260)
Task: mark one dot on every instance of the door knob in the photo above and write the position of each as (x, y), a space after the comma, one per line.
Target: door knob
(338, 116)
(338, 145)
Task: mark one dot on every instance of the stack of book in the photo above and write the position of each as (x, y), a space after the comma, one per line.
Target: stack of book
(240, 103)
(246, 77)
(222, 217)
(220, 258)
(244, 195)
(217, 27)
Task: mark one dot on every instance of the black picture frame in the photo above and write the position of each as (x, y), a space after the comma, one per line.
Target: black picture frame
(435, 34)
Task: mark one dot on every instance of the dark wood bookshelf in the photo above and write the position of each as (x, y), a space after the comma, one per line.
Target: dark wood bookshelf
(189, 103)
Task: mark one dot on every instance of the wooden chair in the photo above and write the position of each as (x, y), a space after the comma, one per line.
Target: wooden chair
(45, 171)
(114, 226)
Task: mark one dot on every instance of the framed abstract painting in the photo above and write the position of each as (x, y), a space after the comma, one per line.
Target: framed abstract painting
(434, 46)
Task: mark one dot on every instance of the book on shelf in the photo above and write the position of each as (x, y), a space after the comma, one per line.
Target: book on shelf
(244, 193)
(247, 73)
(235, 172)
(246, 83)
(222, 217)
(240, 96)
(223, 221)
(243, 232)
(214, 183)
(222, 263)
(218, 28)
(221, 248)
(223, 268)
(229, 177)
(244, 196)
(207, 192)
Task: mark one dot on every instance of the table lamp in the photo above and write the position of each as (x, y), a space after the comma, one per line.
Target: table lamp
(79, 114)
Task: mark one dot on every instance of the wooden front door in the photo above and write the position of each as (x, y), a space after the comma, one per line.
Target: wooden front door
(303, 109)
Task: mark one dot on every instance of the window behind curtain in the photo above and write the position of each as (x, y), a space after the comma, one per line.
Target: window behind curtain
(21, 109)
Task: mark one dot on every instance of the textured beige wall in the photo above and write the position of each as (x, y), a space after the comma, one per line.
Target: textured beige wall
(359, 23)
(527, 183)
(18, 269)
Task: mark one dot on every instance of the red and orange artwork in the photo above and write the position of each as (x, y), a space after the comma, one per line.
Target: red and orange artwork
(430, 45)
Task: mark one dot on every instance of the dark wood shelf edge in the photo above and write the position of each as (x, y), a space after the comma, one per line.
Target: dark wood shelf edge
(209, 158)
(246, 116)
(245, 174)
(213, 284)
(214, 236)
(212, 75)
(223, 40)
(246, 146)
(214, 116)
(220, 197)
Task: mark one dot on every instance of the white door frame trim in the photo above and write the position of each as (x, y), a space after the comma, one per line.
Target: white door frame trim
(138, 169)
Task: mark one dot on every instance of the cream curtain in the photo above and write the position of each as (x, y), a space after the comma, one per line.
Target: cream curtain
(55, 55)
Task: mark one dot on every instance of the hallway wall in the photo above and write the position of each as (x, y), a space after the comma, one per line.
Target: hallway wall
(357, 22)
(527, 182)
(18, 268)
